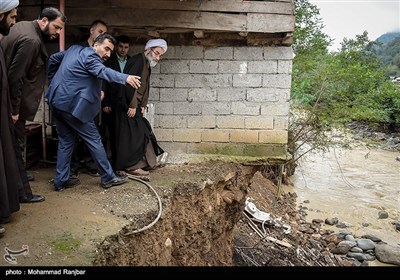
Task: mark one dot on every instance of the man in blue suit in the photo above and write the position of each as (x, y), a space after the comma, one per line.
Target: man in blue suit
(75, 78)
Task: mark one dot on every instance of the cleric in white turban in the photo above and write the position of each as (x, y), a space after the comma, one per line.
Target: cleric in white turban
(156, 43)
(8, 5)
(137, 149)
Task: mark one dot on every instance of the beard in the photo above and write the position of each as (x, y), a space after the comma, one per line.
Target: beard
(151, 61)
(4, 27)
(46, 34)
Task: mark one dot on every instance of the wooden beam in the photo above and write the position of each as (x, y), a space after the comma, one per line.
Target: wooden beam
(185, 37)
(158, 18)
(272, 7)
(269, 23)
(230, 22)
(277, 39)
(153, 33)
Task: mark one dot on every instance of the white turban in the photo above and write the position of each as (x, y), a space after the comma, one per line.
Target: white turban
(156, 43)
(8, 5)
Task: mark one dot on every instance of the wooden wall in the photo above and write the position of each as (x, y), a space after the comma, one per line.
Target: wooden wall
(195, 22)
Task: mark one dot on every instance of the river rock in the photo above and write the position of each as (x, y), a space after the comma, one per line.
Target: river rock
(387, 253)
(365, 244)
(343, 225)
(356, 250)
(383, 214)
(349, 237)
(358, 256)
(371, 237)
(331, 221)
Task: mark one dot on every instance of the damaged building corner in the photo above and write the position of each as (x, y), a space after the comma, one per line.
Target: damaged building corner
(197, 226)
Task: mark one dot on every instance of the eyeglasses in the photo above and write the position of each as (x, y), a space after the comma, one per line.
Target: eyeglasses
(156, 53)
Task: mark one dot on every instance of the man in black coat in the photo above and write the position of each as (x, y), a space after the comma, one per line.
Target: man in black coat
(26, 59)
(10, 179)
(136, 145)
(117, 62)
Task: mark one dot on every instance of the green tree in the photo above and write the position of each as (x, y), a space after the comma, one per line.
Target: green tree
(308, 36)
(311, 48)
(332, 89)
(309, 76)
(360, 89)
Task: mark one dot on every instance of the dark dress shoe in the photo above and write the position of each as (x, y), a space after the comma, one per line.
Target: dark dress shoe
(35, 198)
(30, 177)
(4, 220)
(119, 180)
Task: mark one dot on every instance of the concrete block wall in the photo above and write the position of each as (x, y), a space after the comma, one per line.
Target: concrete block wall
(222, 100)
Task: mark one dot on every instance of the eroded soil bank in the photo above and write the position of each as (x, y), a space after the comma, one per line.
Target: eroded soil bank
(201, 222)
(83, 225)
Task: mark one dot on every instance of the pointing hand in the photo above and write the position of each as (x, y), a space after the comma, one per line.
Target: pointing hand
(134, 81)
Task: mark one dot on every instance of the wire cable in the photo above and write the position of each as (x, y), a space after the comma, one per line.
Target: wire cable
(132, 177)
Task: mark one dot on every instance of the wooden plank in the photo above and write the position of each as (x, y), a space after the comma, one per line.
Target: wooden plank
(157, 18)
(144, 18)
(276, 39)
(265, 23)
(209, 6)
(277, 241)
(234, 39)
(270, 23)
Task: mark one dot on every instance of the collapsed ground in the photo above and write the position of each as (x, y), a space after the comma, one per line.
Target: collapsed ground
(82, 226)
(68, 227)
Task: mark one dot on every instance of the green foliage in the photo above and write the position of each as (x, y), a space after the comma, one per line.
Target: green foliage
(348, 85)
(310, 47)
(309, 83)
(362, 91)
(308, 35)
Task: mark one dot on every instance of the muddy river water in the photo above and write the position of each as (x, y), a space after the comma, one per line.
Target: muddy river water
(352, 185)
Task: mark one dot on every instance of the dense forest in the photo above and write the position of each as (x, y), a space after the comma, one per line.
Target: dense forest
(330, 89)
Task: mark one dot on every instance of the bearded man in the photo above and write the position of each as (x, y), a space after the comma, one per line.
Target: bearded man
(135, 144)
(26, 61)
(10, 181)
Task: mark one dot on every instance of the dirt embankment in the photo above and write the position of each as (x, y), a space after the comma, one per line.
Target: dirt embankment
(201, 222)
(87, 225)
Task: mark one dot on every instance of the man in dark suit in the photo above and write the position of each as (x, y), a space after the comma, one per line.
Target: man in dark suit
(97, 28)
(74, 96)
(26, 58)
(81, 158)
